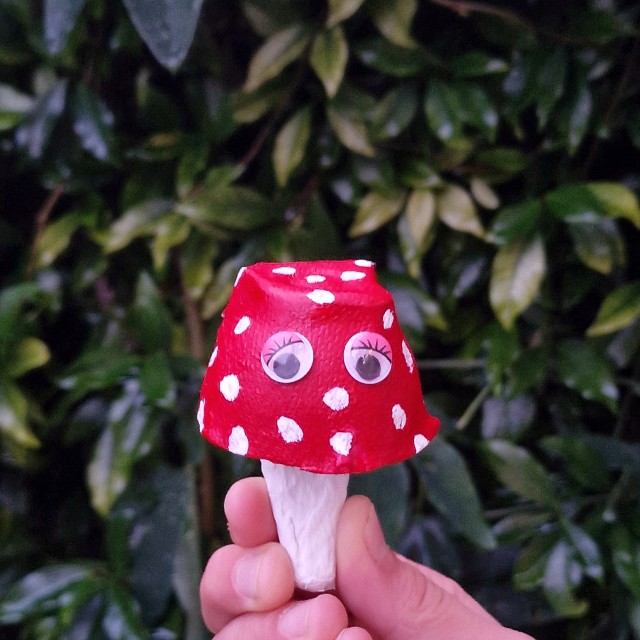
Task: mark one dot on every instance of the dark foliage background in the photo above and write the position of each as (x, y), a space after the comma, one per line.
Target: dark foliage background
(484, 154)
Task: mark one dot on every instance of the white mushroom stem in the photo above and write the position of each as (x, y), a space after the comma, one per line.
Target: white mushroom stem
(306, 507)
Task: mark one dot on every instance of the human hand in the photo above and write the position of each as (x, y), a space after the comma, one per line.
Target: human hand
(247, 587)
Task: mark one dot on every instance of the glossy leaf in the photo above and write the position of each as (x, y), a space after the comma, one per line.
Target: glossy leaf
(583, 368)
(121, 619)
(14, 106)
(30, 353)
(351, 133)
(156, 381)
(55, 237)
(280, 50)
(616, 200)
(60, 17)
(586, 550)
(340, 10)
(483, 194)
(93, 123)
(236, 208)
(148, 319)
(444, 110)
(13, 415)
(518, 470)
(290, 145)
(551, 84)
(476, 63)
(557, 583)
(516, 275)
(374, 211)
(394, 113)
(171, 231)
(458, 211)
(617, 311)
(382, 55)
(329, 55)
(393, 19)
(579, 117)
(197, 260)
(598, 244)
(421, 216)
(450, 489)
(477, 109)
(167, 27)
(516, 221)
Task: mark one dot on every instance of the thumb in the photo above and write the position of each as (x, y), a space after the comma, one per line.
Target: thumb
(396, 599)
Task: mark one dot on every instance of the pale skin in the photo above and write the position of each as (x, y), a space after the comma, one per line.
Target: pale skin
(247, 589)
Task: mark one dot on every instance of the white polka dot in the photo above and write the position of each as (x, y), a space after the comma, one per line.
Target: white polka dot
(201, 415)
(336, 398)
(341, 442)
(363, 263)
(399, 416)
(387, 319)
(284, 271)
(230, 387)
(314, 279)
(420, 442)
(238, 442)
(320, 296)
(242, 326)
(214, 354)
(289, 429)
(242, 270)
(348, 276)
(408, 358)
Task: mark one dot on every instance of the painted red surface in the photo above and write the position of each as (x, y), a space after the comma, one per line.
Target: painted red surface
(330, 418)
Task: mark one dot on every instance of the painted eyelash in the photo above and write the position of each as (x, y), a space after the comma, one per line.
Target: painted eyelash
(367, 345)
(278, 347)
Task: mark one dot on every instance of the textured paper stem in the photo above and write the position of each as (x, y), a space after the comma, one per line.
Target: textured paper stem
(306, 507)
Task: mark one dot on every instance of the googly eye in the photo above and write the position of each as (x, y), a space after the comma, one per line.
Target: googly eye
(287, 356)
(368, 357)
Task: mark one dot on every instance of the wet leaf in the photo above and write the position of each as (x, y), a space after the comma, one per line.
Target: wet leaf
(166, 26)
(374, 211)
(457, 210)
(275, 54)
(518, 470)
(617, 311)
(340, 10)
(393, 19)
(583, 368)
(30, 353)
(290, 145)
(329, 55)
(450, 489)
(516, 275)
(557, 583)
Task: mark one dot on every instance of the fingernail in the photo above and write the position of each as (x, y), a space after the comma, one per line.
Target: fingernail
(374, 538)
(245, 575)
(293, 621)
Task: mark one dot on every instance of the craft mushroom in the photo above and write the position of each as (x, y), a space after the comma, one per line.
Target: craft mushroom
(312, 375)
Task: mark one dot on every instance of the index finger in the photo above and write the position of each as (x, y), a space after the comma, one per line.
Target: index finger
(249, 514)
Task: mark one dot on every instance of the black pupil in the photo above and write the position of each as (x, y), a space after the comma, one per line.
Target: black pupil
(286, 365)
(368, 366)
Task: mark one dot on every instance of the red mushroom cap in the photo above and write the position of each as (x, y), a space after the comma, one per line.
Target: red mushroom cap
(311, 370)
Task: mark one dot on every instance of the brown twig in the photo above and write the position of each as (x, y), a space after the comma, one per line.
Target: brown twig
(464, 8)
(42, 218)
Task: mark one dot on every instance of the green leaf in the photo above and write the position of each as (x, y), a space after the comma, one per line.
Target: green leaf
(14, 106)
(60, 16)
(170, 231)
(516, 275)
(483, 194)
(579, 117)
(351, 132)
(477, 109)
(121, 619)
(387, 58)
(451, 490)
(340, 10)
(518, 470)
(197, 260)
(626, 558)
(13, 416)
(516, 221)
(290, 144)
(148, 318)
(166, 26)
(531, 563)
(127, 437)
(474, 64)
(421, 216)
(557, 583)
(616, 200)
(36, 592)
(598, 244)
(30, 353)
(583, 368)
(136, 222)
(551, 84)
(393, 19)
(394, 113)
(374, 211)
(458, 211)
(586, 549)
(236, 208)
(617, 311)
(55, 237)
(275, 54)
(156, 381)
(444, 110)
(584, 462)
(329, 55)
(92, 123)
(249, 107)
(503, 159)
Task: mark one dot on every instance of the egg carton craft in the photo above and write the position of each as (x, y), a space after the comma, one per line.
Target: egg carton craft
(312, 375)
